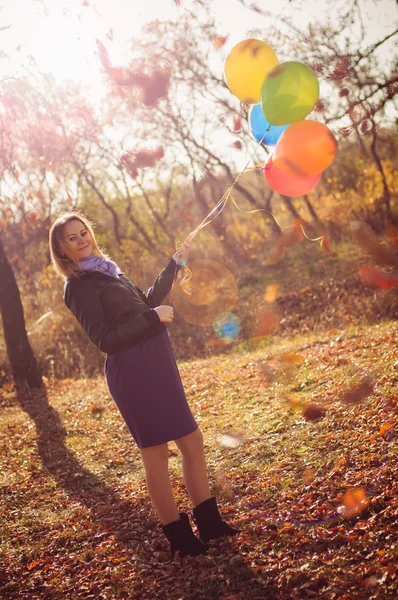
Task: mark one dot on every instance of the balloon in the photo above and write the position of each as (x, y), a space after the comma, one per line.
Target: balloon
(245, 68)
(305, 148)
(262, 130)
(287, 184)
(289, 93)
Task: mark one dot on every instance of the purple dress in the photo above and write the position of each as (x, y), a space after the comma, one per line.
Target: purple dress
(146, 385)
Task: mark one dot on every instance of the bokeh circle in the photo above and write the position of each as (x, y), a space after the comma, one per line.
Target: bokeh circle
(227, 326)
(213, 290)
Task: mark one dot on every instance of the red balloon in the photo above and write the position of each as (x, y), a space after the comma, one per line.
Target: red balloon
(287, 184)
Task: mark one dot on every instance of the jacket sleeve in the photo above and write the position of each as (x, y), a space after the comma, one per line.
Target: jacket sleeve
(162, 285)
(88, 310)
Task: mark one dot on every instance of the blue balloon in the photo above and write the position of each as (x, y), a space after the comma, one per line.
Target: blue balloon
(263, 131)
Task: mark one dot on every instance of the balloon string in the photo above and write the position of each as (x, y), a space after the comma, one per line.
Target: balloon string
(206, 221)
(221, 204)
(228, 194)
(321, 237)
(255, 168)
(212, 214)
(248, 212)
(224, 199)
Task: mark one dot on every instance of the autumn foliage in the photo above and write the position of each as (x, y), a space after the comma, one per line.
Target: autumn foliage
(317, 495)
(299, 409)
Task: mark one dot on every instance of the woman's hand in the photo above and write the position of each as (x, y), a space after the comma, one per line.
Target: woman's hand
(181, 256)
(165, 313)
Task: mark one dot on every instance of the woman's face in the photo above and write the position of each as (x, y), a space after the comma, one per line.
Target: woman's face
(78, 241)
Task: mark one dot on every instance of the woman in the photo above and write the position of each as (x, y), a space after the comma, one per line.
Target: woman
(141, 374)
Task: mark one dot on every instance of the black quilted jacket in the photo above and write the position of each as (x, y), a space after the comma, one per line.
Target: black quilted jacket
(115, 313)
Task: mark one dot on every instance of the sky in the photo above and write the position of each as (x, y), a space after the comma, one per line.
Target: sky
(58, 36)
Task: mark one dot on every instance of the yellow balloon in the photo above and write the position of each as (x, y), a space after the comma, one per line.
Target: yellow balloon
(246, 67)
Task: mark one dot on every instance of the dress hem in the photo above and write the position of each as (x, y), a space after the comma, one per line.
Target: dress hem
(169, 440)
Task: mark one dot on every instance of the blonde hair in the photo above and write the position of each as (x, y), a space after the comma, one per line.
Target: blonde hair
(63, 265)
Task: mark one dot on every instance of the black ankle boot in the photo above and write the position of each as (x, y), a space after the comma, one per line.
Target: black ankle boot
(182, 539)
(209, 522)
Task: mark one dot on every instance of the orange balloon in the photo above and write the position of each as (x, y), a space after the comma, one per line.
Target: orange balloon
(305, 148)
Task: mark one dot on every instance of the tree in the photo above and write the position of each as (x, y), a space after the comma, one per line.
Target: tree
(25, 370)
(23, 363)
(59, 152)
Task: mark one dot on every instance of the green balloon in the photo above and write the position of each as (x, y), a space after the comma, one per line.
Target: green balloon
(289, 93)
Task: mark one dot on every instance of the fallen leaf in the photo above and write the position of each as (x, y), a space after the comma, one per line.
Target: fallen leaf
(237, 125)
(156, 87)
(218, 41)
(295, 403)
(291, 358)
(326, 246)
(230, 440)
(313, 412)
(365, 238)
(358, 392)
(127, 78)
(376, 278)
(103, 55)
(354, 502)
(387, 432)
(267, 321)
(141, 159)
(271, 293)
(309, 475)
(110, 34)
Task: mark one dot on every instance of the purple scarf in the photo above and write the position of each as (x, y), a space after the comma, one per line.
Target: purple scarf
(102, 265)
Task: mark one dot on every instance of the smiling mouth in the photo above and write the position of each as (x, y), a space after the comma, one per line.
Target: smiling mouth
(83, 248)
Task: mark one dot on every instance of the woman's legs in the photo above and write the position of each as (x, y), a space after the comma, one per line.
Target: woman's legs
(156, 463)
(155, 460)
(206, 515)
(194, 466)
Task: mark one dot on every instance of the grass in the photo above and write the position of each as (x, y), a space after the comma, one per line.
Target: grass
(76, 521)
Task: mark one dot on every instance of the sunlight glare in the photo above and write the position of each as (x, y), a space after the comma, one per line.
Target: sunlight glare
(58, 36)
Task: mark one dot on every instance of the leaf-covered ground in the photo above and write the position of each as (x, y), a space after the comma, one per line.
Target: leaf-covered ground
(302, 457)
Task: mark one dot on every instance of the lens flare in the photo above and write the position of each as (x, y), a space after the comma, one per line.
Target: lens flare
(227, 325)
(213, 291)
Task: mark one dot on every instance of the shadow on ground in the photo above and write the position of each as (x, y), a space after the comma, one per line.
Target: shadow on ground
(131, 524)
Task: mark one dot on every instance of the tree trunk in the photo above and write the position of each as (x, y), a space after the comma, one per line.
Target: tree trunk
(23, 363)
(267, 203)
(386, 198)
(311, 209)
(287, 200)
